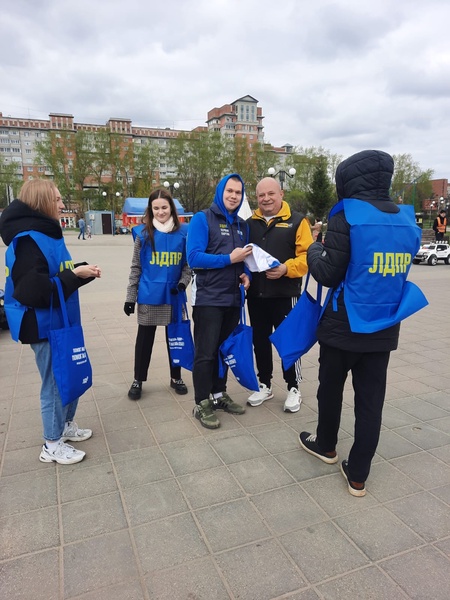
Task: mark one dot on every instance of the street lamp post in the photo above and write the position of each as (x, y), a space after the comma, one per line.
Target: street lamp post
(281, 174)
(171, 186)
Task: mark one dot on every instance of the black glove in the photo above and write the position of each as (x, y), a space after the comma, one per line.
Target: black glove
(180, 288)
(128, 308)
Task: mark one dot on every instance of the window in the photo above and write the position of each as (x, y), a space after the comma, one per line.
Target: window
(30, 169)
(16, 150)
(27, 151)
(26, 134)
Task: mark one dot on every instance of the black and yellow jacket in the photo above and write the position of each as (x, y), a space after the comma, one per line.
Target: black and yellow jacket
(287, 237)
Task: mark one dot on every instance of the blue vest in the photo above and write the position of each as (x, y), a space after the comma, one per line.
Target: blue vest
(137, 230)
(161, 267)
(220, 287)
(58, 259)
(376, 292)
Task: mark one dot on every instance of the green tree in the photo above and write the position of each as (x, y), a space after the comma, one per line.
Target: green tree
(10, 181)
(200, 161)
(321, 194)
(410, 184)
(53, 153)
(145, 167)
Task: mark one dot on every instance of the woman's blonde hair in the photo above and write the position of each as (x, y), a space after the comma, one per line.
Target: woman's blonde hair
(40, 195)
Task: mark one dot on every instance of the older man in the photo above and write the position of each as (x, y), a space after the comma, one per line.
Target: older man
(286, 235)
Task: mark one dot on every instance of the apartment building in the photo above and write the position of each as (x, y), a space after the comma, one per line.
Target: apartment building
(242, 118)
(19, 136)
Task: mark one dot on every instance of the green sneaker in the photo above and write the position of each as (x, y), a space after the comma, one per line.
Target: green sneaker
(227, 404)
(205, 414)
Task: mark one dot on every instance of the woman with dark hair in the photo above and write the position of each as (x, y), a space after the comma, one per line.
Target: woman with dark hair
(159, 270)
(36, 255)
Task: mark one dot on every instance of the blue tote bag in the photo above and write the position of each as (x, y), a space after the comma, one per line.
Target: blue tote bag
(70, 362)
(181, 344)
(296, 334)
(236, 352)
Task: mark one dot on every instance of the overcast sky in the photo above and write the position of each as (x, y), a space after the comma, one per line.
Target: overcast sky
(344, 74)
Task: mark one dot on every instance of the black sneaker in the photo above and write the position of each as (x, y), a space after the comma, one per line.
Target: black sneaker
(308, 442)
(179, 386)
(355, 488)
(134, 393)
(226, 404)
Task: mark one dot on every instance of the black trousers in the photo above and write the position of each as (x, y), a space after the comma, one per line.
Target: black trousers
(369, 372)
(212, 326)
(265, 316)
(143, 353)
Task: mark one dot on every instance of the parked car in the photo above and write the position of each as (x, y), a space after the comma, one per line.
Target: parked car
(432, 252)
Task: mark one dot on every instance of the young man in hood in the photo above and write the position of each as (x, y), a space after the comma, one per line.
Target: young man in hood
(365, 261)
(216, 253)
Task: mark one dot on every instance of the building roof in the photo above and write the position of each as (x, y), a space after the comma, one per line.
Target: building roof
(137, 206)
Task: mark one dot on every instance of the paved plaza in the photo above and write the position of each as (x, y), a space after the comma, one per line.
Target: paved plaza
(163, 509)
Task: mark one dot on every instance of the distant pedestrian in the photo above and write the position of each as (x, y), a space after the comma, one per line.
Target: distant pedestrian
(440, 225)
(82, 226)
(88, 231)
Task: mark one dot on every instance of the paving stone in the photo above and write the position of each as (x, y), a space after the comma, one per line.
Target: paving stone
(235, 448)
(165, 413)
(378, 533)
(138, 467)
(75, 483)
(131, 590)
(168, 543)
(130, 439)
(392, 445)
(260, 474)
(303, 466)
(408, 571)
(259, 572)
(27, 532)
(197, 580)
(428, 471)
(332, 495)
(425, 514)
(172, 431)
(387, 483)
(365, 584)
(190, 456)
(424, 435)
(277, 439)
(288, 509)
(122, 420)
(90, 517)
(34, 577)
(97, 563)
(154, 501)
(26, 492)
(231, 524)
(420, 409)
(321, 551)
(210, 487)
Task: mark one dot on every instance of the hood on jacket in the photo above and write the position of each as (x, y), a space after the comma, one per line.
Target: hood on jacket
(19, 217)
(218, 197)
(366, 175)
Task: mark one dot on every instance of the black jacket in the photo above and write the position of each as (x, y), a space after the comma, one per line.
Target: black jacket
(30, 275)
(365, 176)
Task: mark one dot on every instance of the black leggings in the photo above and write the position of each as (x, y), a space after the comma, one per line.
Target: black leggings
(143, 353)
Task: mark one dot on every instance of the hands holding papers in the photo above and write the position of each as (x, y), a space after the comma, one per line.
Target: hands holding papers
(260, 260)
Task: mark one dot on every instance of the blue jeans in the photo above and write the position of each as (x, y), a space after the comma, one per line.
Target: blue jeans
(54, 414)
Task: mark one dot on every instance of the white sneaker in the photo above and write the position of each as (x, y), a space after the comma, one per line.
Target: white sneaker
(72, 433)
(257, 398)
(63, 454)
(293, 401)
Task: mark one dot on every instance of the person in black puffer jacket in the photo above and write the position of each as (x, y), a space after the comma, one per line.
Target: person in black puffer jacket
(361, 322)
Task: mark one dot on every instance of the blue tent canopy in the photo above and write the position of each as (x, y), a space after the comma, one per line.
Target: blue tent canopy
(137, 206)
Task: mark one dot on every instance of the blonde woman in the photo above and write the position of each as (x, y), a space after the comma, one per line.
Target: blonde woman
(36, 254)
